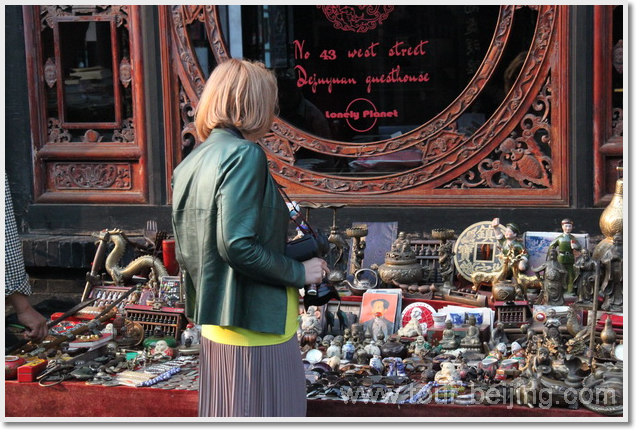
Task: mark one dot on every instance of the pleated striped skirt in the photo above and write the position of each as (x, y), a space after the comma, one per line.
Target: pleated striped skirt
(251, 381)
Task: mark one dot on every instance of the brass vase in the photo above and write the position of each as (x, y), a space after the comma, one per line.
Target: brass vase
(611, 221)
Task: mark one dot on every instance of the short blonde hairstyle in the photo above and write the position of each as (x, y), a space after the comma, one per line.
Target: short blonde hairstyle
(239, 93)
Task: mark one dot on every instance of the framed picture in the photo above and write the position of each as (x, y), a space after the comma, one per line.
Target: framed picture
(538, 242)
(379, 311)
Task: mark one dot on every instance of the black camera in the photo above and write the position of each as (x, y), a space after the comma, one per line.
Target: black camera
(313, 244)
(308, 246)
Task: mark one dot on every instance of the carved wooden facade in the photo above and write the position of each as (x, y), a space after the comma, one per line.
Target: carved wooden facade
(519, 157)
(79, 157)
(608, 98)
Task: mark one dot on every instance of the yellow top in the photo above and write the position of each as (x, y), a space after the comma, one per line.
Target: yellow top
(231, 335)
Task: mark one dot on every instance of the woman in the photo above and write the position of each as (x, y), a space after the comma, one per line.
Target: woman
(230, 224)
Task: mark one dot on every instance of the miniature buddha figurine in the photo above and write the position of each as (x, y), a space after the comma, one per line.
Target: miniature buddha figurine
(448, 374)
(157, 336)
(419, 347)
(449, 341)
(368, 338)
(471, 340)
(161, 350)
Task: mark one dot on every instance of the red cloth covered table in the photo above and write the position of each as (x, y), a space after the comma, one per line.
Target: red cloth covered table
(76, 399)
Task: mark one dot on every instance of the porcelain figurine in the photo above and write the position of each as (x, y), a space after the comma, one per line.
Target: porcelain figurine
(161, 350)
(499, 352)
(518, 353)
(414, 328)
(334, 350)
(566, 244)
(448, 374)
(372, 349)
(419, 347)
(510, 244)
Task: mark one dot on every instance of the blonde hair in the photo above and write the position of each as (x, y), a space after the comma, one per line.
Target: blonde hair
(239, 93)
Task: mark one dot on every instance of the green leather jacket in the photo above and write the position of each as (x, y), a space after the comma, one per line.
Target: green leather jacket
(230, 225)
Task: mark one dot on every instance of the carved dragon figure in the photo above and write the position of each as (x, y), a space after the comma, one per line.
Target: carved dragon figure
(137, 266)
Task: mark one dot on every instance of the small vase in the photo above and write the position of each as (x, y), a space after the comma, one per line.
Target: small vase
(11, 364)
(608, 335)
(348, 350)
(611, 221)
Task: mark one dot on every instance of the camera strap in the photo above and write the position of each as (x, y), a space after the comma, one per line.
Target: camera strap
(302, 218)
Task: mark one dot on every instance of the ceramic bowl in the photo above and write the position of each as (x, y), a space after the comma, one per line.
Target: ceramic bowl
(457, 318)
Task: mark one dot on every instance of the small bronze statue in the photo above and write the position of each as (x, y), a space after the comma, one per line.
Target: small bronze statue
(471, 340)
(585, 268)
(554, 279)
(612, 285)
(449, 340)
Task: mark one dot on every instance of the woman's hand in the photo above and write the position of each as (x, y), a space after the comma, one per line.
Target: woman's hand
(316, 270)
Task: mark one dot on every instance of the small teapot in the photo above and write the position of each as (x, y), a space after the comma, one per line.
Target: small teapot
(360, 284)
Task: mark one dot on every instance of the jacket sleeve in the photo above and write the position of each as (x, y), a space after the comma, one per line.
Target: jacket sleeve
(240, 199)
